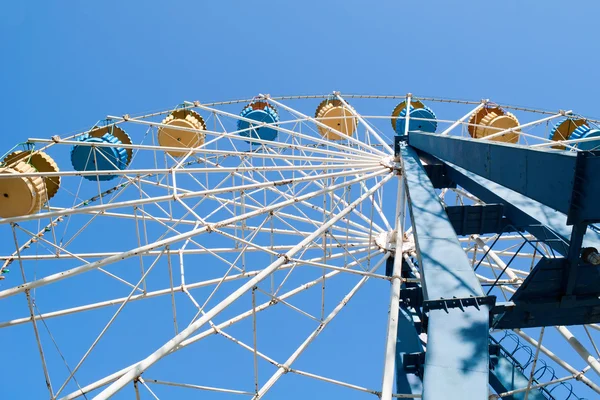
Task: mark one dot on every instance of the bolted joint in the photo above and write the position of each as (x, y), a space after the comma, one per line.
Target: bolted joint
(285, 257)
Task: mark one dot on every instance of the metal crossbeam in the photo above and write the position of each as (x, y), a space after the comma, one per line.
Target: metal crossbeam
(456, 364)
(564, 181)
(541, 221)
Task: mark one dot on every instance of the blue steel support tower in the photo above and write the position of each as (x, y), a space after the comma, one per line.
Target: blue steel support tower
(553, 196)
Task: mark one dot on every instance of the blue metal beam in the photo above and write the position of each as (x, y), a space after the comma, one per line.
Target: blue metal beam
(541, 221)
(477, 219)
(565, 181)
(457, 359)
(407, 342)
(545, 298)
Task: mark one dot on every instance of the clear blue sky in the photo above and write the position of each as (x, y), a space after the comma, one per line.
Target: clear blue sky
(65, 66)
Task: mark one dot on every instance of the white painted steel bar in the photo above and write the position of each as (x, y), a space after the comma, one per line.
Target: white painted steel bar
(253, 124)
(579, 348)
(492, 254)
(559, 361)
(535, 360)
(594, 326)
(199, 193)
(407, 116)
(342, 269)
(334, 381)
(156, 293)
(389, 371)
(566, 142)
(339, 164)
(190, 386)
(108, 324)
(228, 153)
(209, 332)
(283, 368)
(33, 320)
(184, 334)
(340, 199)
(134, 252)
(351, 386)
(331, 144)
(538, 386)
(467, 115)
(366, 125)
(53, 256)
(296, 217)
(527, 125)
(322, 125)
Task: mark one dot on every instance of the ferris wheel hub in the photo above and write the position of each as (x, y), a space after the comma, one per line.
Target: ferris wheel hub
(389, 162)
(387, 242)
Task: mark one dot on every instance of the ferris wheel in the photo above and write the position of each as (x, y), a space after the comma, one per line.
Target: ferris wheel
(305, 246)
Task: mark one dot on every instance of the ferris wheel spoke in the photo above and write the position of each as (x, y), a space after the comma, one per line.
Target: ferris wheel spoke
(299, 289)
(460, 121)
(204, 151)
(283, 368)
(168, 347)
(53, 223)
(113, 377)
(200, 247)
(63, 250)
(592, 341)
(385, 144)
(517, 129)
(218, 250)
(320, 209)
(537, 386)
(108, 324)
(198, 387)
(342, 384)
(344, 203)
(156, 293)
(236, 137)
(158, 244)
(33, 321)
(340, 200)
(308, 138)
(106, 206)
(579, 348)
(362, 272)
(322, 125)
